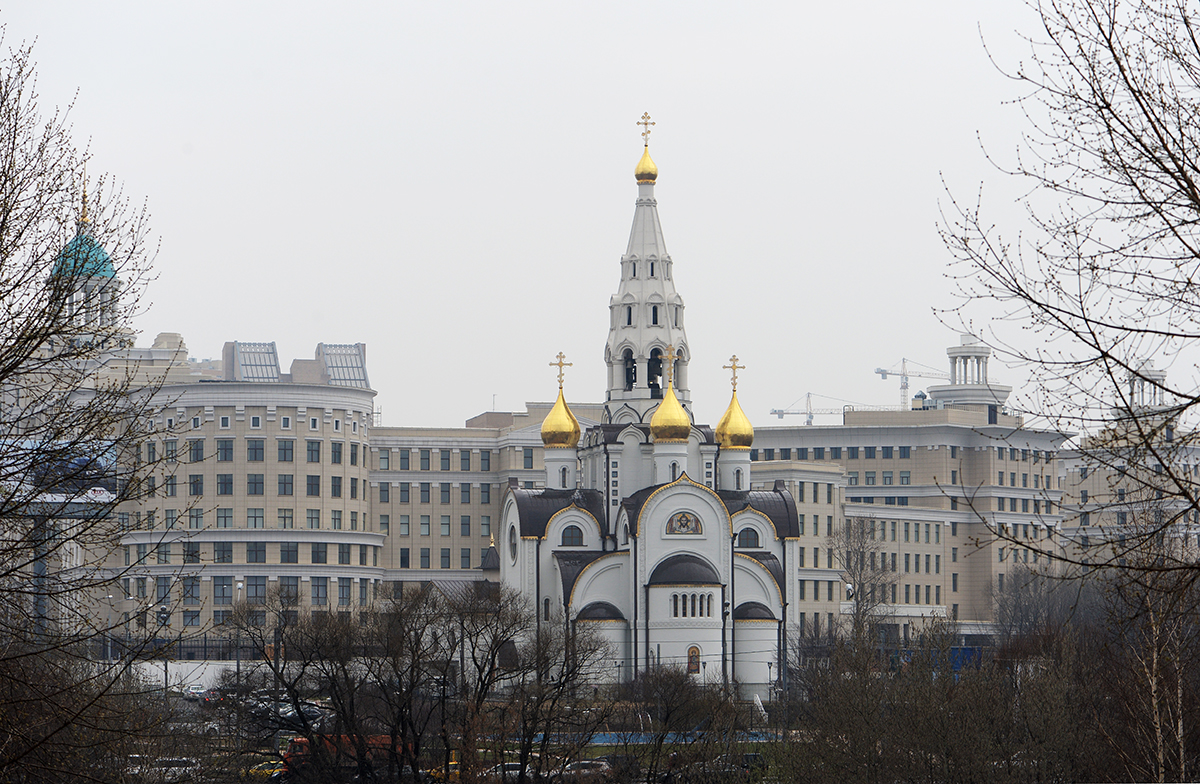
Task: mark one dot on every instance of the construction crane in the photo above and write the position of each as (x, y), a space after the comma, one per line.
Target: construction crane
(808, 411)
(905, 373)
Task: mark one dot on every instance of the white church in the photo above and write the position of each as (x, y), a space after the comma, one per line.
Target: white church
(647, 529)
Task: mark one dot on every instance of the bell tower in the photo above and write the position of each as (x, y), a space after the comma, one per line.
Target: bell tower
(646, 313)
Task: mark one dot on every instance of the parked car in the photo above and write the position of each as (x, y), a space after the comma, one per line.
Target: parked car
(193, 692)
(164, 770)
(504, 772)
(587, 771)
(212, 698)
(264, 771)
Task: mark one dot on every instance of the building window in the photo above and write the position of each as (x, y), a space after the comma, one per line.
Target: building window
(320, 591)
(344, 554)
(425, 492)
(222, 590)
(464, 524)
(870, 477)
(224, 484)
(335, 452)
(335, 519)
(313, 449)
(195, 451)
(485, 494)
(747, 537)
(286, 450)
(256, 552)
(313, 485)
(424, 557)
(445, 525)
(254, 450)
(572, 536)
(223, 552)
(887, 477)
(405, 490)
(424, 525)
(224, 518)
(425, 459)
(255, 517)
(289, 552)
(195, 484)
(320, 552)
(335, 487)
(527, 458)
(404, 558)
(254, 484)
(444, 488)
(285, 484)
(224, 449)
(446, 558)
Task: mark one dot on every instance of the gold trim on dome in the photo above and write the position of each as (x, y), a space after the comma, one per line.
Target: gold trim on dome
(670, 423)
(734, 431)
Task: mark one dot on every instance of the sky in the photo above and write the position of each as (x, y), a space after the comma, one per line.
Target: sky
(452, 183)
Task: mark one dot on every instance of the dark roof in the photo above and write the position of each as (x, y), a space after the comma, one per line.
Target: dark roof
(753, 611)
(536, 507)
(610, 434)
(777, 504)
(570, 564)
(770, 562)
(600, 611)
(684, 569)
(491, 560)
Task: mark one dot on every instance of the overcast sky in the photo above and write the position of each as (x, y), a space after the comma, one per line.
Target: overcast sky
(452, 183)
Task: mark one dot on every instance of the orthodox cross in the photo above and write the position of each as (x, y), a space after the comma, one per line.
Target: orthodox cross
(670, 364)
(560, 364)
(735, 367)
(645, 123)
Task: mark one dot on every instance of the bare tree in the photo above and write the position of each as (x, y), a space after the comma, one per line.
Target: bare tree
(861, 556)
(1100, 279)
(70, 279)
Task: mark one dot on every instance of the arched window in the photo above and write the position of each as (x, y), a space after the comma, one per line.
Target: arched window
(677, 315)
(737, 479)
(654, 315)
(703, 606)
(747, 537)
(654, 369)
(630, 370)
(693, 605)
(628, 315)
(675, 605)
(652, 269)
(694, 660)
(625, 535)
(545, 610)
(512, 543)
(674, 471)
(572, 536)
(562, 481)
(633, 269)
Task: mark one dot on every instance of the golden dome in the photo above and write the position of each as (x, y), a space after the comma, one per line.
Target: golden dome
(646, 171)
(670, 422)
(560, 428)
(734, 431)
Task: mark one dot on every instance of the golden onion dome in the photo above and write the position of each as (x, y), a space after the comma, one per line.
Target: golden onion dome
(734, 431)
(560, 428)
(646, 171)
(670, 422)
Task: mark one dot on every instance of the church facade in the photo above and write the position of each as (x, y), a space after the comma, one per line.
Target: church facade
(647, 529)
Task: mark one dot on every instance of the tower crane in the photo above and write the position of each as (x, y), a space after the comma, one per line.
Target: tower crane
(905, 373)
(808, 411)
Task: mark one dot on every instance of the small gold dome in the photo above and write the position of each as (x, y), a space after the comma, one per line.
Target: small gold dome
(646, 171)
(670, 422)
(734, 431)
(560, 428)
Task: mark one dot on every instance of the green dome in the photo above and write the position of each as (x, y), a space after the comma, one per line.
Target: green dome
(83, 257)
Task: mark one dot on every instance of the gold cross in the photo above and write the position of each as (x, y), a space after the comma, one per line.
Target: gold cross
(670, 364)
(645, 123)
(560, 365)
(735, 367)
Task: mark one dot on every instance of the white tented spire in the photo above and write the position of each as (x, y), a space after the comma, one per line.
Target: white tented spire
(646, 316)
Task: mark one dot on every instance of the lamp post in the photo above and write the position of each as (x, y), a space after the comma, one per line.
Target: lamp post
(238, 645)
(770, 679)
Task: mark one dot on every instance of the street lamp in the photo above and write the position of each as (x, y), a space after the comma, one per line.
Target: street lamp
(770, 679)
(238, 644)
